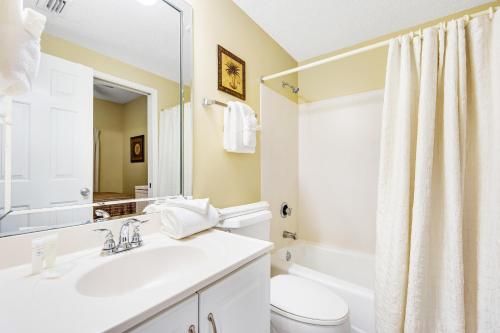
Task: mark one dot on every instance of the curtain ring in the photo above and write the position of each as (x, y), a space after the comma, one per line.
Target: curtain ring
(467, 18)
(491, 12)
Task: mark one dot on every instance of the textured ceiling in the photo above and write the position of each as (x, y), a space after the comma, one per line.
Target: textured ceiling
(309, 28)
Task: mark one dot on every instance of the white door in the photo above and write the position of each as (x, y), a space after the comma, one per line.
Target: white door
(181, 318)
(52, 142)
(238, 303)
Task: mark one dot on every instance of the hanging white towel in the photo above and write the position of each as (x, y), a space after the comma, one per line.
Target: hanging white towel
(20, 32)
(240, 126)
(229, 126)
(249, 137)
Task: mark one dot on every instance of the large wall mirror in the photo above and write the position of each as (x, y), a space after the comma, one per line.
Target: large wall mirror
(108, 123)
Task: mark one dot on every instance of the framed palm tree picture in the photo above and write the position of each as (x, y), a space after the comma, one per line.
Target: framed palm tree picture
(231, 78)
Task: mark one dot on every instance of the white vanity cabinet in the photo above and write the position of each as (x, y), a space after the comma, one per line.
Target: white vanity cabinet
(237, 303)
(181, 318)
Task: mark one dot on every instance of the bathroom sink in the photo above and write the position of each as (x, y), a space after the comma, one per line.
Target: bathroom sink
(129, 272)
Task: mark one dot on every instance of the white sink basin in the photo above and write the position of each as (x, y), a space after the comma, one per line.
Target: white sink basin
(137, 269)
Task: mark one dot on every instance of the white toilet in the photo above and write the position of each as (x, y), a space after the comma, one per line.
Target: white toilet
(298, 305)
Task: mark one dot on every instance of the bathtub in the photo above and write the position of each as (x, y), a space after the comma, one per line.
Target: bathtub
(349, 274)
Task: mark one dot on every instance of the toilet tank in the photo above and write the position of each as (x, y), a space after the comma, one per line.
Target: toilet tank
(255, 225)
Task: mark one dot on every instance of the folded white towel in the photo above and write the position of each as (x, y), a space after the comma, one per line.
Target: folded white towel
(229, 127)
(230, 212)
(178, 222)
(240, 126)
(249, 127)
(20, 32)
(199, 206)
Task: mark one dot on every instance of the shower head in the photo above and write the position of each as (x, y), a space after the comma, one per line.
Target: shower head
(294, 89)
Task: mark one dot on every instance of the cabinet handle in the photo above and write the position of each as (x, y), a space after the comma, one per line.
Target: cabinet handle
(192, 329)
(212, 321)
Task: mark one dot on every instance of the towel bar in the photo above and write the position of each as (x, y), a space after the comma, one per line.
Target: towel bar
(207, 102)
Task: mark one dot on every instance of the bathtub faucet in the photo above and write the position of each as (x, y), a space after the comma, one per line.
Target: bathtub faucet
(288, 234)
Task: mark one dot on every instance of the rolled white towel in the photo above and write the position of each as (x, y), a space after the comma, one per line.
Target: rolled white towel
(199, 206)
(229, 212)
(178, 222)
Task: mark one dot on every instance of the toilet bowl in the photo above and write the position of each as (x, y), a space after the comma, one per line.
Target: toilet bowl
(299, 305)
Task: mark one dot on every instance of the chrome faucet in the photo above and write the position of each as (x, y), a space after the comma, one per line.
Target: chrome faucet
(102, 215)
(124, 242)
(288, 234)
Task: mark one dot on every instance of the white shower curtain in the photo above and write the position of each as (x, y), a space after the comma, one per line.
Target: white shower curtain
(97, 153)
(438, 219)
(169, 159)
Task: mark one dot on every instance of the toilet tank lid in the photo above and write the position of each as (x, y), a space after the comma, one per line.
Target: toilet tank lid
(246, 220)
(307, 301)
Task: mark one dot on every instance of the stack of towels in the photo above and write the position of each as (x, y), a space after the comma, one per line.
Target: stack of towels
(20, 31)
(181, 218)
(240, 127)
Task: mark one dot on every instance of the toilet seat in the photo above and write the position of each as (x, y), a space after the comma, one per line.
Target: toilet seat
(307, 301)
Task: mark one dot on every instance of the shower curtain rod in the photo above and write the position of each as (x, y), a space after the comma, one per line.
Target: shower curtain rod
(359, 50)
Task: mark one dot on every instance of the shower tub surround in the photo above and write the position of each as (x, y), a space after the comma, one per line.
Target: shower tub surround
(349, 274)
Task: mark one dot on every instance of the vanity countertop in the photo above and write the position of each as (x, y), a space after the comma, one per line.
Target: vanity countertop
(34, 303)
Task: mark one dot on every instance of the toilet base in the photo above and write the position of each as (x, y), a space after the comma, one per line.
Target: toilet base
(281, 324)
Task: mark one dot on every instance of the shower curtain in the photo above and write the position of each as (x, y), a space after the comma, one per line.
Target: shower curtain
(169, 160)
(438, 218)
(97, 153)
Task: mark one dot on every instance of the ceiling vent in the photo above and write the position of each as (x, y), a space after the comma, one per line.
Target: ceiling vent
(52, 6)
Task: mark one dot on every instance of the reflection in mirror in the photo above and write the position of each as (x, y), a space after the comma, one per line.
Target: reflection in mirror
(67, 216)
(103, 120)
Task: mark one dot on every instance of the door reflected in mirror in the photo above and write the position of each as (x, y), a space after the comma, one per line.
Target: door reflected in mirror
(101, 127)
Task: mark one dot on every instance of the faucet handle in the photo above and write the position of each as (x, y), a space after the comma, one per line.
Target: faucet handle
(136, 236)
(135, 221)
(109, 243)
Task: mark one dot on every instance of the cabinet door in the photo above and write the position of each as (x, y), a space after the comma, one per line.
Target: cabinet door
(239, 303)
(177, 319)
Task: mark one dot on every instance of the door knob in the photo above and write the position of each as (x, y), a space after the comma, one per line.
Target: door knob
(85, 192)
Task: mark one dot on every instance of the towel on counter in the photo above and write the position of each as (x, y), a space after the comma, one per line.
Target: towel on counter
(178, 222)
(199, 206)
(20, 32)
(181, 218)
(240, 128)
(230, 212)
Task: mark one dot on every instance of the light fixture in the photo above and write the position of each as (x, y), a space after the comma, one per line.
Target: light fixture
(148, 2)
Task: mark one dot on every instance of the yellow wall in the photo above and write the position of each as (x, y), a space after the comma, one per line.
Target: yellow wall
(108, 118)
(135, 122)
(228, 179)
(118, 123)
(356, 74)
